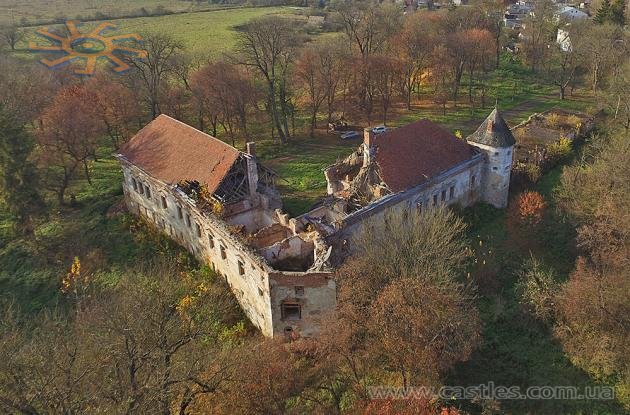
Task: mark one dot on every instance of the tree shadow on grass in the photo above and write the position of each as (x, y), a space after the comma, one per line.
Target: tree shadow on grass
(517, 349)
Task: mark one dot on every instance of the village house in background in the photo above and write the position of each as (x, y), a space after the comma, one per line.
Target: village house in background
(222, 205)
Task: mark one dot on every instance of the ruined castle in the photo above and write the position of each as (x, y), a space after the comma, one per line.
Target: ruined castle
(223, 206)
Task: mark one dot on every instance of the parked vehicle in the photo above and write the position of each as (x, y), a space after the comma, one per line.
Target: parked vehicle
(350, 135)
(379, 130)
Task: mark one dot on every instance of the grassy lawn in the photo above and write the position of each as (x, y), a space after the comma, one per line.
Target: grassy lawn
(206, 34)
(31, 269)
(517, 92)
(300, 165)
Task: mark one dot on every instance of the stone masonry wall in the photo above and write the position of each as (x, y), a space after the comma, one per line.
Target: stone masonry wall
(211, 241)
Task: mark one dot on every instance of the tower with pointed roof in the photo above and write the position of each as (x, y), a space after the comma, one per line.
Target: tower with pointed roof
(494, 138)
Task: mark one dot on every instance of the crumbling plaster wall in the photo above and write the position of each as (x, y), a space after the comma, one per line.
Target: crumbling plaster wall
(315, 292)
(247, 273)
(496, 174)
(212, 243)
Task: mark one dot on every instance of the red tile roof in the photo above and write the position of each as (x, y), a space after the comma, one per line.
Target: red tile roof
(410, 155)
(171, 151)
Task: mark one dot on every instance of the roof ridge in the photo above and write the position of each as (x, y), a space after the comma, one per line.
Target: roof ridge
(196, 130)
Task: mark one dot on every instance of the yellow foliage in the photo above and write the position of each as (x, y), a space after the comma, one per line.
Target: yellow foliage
(560, 149)
(73, 280)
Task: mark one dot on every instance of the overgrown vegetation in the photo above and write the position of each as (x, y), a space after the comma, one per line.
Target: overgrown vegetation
(509, 300)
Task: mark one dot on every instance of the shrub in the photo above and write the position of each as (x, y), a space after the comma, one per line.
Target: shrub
(561, 149)
(553, 121)
(537, 289)
(532, 171)
(531, 206)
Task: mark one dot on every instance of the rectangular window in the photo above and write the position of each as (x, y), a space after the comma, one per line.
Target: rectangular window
(147, 190)
(180, 214)
(451, 192)
(198, 230)
(241, 268)
(443, 198)
(419, 207)
(134, 183)
(299, 290)
(164, 205)
(291, 311)
(188, 220)
(435, 200)
(472, 181)
(140, 188)
(223, 253)
(211, 241)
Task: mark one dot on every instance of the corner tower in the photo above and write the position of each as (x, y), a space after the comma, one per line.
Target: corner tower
(494, 138)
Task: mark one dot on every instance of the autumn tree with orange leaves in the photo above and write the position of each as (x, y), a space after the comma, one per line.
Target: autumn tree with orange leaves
(118, 108)
(225, 95)
(69, 136)
(531, 207)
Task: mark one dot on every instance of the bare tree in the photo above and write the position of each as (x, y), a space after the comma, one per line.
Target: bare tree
(11, 35)
(162, 52)
(413, 47)
(539, 33)
(311, 80)
(386, 77)
(413, 335)
(152, 344)
(267, 45)
(562, 67)
(225, 90)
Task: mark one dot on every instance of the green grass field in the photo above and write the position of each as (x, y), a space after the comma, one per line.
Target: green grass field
(203, 34)
(35, 11)
(206, 34)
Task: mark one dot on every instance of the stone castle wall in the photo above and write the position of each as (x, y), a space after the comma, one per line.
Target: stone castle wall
(261, 291)
(496, 174)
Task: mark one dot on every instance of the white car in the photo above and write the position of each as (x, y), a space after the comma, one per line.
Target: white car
(350, 135)
(379, 130)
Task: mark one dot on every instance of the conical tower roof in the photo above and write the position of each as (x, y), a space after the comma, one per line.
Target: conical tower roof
(493, 132)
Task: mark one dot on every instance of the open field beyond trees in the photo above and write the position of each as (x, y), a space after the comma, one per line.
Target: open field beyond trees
(205, 34)
(33, 12)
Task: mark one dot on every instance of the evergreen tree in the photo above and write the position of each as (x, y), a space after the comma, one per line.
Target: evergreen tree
(617, 10)
(612, 12)
(603, 13)
(19, 181)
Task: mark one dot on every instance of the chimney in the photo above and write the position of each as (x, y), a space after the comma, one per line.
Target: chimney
(252, 170)
(368, 142)
(251, 149)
